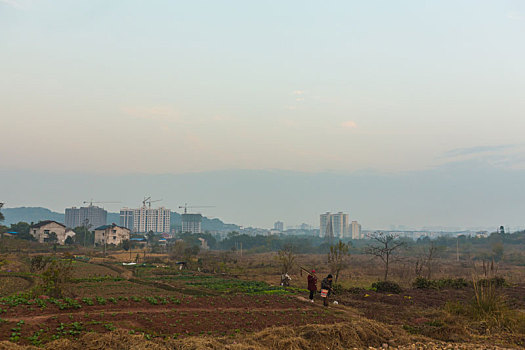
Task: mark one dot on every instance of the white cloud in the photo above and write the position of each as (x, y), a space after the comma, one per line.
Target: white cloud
(349, 124)
(298, 92)
(299, 99)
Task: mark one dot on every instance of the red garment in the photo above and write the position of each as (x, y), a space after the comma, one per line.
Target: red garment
(312, 283)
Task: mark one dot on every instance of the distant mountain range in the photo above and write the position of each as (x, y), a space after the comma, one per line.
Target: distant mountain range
(36, 214)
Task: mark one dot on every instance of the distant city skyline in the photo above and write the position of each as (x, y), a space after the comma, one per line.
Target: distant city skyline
(454, 196)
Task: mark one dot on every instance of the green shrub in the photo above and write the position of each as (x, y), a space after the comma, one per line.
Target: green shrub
(423, 283)
(387, 287)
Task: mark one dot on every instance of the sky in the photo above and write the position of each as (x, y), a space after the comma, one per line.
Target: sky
(136, 88)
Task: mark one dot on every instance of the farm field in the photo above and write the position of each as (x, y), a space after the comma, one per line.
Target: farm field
(159, 306)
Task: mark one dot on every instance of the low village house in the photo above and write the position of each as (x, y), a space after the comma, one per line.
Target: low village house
(111, 234)
(45, 230)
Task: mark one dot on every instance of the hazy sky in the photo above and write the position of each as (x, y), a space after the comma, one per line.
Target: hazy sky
(170, 87)
(177, 86)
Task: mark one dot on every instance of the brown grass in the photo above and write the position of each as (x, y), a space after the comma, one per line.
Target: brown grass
(358, 333)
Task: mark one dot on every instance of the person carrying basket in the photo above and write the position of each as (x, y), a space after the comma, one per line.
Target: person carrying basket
(326, 289)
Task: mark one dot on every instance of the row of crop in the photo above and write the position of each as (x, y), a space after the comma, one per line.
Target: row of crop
(182, 277)
(46, 334)
(70, 303)
(97, 279)
(240, 286)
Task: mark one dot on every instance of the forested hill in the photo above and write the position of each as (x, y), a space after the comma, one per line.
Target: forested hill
(207, 224)
(29, 215)
(36, 214)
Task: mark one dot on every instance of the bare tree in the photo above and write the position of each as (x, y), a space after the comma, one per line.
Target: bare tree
(286, 258)
(420, 264)
(53, 273)
(177, 250)
(337, 258)
(426, 260)
(430, 255)
(384, 248)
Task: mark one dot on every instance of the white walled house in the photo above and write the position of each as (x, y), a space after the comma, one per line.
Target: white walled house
(111, 234)
(68, 233)
(43, 229)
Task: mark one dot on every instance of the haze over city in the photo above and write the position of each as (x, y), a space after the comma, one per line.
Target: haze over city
(399, 113)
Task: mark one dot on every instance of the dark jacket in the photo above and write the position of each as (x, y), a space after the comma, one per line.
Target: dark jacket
(326, 284)
(312, 283)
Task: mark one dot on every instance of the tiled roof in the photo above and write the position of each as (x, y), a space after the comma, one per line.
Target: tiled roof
(109, 226)
(46, 222)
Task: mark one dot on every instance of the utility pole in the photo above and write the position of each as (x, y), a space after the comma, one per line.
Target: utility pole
(457, 249)
(84, 224)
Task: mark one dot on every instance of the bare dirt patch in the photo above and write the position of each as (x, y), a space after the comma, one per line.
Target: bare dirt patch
(214, 316)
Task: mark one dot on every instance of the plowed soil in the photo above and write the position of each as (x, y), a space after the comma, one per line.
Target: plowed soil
(218, 316)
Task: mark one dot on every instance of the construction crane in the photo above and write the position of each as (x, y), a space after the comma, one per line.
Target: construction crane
(149, 201)
(186, 206)
(91, 202)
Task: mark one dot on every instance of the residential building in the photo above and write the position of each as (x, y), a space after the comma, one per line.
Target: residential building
(44, 230)
(278, 226)
(204, 244)
(325, 226)
(90, 216)
(191, 223)
(356, 230)
(145, 219)
(69, 233)
(334, 225)
(126, 218)
(139, 240)
(305, 227)
(111, 234)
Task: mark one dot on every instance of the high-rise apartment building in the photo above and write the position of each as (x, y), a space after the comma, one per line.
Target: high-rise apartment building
(145, 219)
(334, 225)
(356, 230)
(191, 223)
(90, 216)
(278, 226)
(325, 226)
(126, 218)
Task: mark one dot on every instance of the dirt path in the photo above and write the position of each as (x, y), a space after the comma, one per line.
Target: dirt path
(156, 310)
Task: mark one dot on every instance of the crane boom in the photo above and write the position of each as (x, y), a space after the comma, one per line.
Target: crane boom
(98, 202)
(186, 206)
(150, 201)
